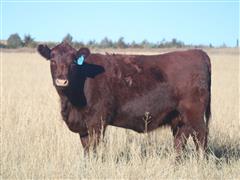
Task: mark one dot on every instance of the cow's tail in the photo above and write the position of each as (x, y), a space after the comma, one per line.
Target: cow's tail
(208, 107)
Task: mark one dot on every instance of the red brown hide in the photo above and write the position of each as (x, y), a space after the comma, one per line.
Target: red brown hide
(171, 89)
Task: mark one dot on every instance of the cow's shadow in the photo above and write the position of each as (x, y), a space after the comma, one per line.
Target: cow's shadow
(224, 152)
(216, 152)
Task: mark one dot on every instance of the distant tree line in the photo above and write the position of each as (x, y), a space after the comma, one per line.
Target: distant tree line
(15, 41)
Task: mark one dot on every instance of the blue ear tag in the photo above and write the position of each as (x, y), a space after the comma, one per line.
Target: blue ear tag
(80, 60)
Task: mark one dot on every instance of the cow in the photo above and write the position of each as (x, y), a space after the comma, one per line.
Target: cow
(137, 92)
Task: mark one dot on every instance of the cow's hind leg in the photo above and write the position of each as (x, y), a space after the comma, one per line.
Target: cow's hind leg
(200, 138)
(193, 113)
(181, 132)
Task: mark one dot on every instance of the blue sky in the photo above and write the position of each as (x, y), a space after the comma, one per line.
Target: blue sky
(193, 23)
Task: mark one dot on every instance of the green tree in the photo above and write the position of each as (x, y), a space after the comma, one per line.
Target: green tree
(14, 41)
(2, 45)
(28, 41)
(68, 38)
(146, 44)
(77, 44)
(106, 43)
(174, 42)
(92, 43)
(121, 43)
(134, 45)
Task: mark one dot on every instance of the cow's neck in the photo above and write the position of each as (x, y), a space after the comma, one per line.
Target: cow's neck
(66, 105)
(73, 115)
(72, 97)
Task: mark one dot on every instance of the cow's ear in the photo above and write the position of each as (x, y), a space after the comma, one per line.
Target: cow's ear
(83, 52)
(44, 51)
(91, 70)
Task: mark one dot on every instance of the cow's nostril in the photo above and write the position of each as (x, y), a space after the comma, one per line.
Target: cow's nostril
(66, 82)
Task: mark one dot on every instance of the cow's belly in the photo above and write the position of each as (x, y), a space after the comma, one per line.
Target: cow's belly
(146, 111)
(144, 123)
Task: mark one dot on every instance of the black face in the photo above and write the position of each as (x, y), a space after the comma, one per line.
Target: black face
(62, 59)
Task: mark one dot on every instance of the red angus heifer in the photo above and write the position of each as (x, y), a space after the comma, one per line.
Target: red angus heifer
(173, 89)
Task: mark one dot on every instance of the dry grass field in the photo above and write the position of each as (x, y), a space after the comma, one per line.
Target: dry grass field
(36, 144)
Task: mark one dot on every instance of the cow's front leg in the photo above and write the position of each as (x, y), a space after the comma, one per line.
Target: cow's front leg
(85, 143)
(89, 142)
(92, 138)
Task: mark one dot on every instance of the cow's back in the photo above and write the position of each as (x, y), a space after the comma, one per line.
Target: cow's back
(137, 74)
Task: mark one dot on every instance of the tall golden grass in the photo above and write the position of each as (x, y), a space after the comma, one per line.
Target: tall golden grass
(35, 142)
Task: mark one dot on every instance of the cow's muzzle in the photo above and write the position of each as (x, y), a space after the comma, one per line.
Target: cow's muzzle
(61, 82)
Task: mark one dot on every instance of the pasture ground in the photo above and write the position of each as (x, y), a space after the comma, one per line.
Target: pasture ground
(35, 142)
